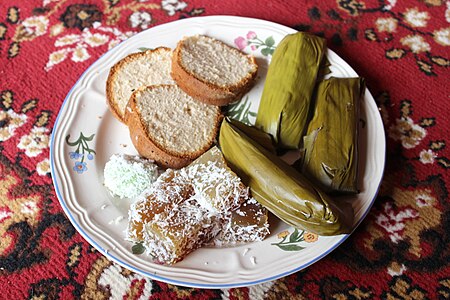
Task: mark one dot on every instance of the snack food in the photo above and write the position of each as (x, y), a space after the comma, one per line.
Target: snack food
(126, 176)
(132, 72)
(331, 143)
(211, 71)
(204, 202)
(170, 127)
(288, 90)
(249, 223)
(184, 208)
(276, 185)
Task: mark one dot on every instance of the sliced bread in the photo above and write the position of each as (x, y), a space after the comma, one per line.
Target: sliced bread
(136, 70)
(211, 71)
(169, 126)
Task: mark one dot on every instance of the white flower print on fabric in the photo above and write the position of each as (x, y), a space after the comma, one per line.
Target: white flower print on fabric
(43, 167)
(427, 156)
(34, 142)
(416, 43)
(416, 18)
(442, 36)
(386, 24)
(407, 132)
(141, 19)
(76, 46)
(172, 6)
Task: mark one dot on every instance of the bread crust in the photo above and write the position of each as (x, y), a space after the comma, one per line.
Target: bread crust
(144, 145)
(113, 74)
(208, 92)
(149, 148)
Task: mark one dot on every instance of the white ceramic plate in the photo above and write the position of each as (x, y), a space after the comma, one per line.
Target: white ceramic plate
(85, 125)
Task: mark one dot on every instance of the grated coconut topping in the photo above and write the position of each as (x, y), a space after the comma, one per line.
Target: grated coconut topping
(184, 209)
(127, 176)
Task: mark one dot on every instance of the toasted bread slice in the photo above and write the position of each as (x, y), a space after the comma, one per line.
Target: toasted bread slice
(132, 72)
(170, 127)
(211, 71)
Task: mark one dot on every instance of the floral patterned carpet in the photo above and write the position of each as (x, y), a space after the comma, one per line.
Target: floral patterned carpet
(402, 48)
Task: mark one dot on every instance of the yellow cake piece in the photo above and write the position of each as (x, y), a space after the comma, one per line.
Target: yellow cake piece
(185, 208)
(249, 223)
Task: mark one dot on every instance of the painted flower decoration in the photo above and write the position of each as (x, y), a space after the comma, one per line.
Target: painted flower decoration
(251, 39)
(240, 42)
(283, 234)
(35, 142)
(75, 155)
(310, 237)
(9, 122)
(81, 16)
(80, 167)
(292, 241)
(82, 151)
(141, 19)
(251, 35)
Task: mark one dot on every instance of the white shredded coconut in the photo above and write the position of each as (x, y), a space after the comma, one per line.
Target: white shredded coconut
(247, 224)
(118, 219)
(128, 176)
(184, 209)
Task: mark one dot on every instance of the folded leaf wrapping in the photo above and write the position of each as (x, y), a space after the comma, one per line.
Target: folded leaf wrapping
(279, 187)
(331, 144)
(289, 86)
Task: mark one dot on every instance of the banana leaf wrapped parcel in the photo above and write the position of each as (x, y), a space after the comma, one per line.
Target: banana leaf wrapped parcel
(331, 142)
(279, 187)
(291, 78)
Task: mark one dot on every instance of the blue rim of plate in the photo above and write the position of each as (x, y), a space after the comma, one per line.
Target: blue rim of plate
(162, 278)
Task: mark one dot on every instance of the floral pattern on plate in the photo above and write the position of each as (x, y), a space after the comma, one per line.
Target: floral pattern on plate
(267, 47)
(83, 150)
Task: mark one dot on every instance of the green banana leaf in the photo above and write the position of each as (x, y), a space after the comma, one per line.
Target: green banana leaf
(262, 138)
(331, 144)
(279, 187)
(291, 78)
(324, 69)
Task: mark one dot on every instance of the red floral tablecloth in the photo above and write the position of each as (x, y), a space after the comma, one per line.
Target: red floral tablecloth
(401, 250)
